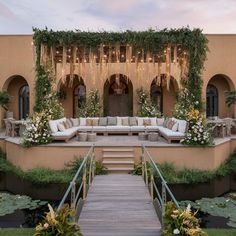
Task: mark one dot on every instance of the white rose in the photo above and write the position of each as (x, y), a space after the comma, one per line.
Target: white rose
(176, 231)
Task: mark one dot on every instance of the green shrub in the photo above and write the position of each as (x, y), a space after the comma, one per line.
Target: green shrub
(100, 169)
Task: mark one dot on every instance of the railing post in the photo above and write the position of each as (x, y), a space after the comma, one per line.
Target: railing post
(142, 160)
(151, 185)
(85, 181)
(72, 197)
(90, 169)
(163, 195)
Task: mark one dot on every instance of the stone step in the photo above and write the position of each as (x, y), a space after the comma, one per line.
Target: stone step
(118, 150)
(107, 162)
(118, 155)
(119, 170)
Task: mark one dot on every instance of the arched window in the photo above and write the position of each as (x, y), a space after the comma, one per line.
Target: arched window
(212, 100)
(157, 96)
(24, 102)
(79, 97)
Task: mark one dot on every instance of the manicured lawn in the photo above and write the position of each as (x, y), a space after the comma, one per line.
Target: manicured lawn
(16, 232)
(221, 232)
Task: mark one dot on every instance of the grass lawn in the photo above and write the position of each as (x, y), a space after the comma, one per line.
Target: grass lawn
(221, 232)
(16, 232)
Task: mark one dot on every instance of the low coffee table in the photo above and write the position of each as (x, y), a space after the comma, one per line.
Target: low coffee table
(82, 136)
(154, 136)
(143, 136)
(92, 137)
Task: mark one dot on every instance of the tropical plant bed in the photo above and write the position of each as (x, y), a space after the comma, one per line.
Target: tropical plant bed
(17, 185)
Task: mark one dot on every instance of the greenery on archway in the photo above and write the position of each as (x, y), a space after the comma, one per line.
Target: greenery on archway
(151, 40)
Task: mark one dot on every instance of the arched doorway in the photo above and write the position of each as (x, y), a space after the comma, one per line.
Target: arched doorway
(118, 96)
(73, 95)
(24, 102)
(212, 100)
(18, 89)
(164, 98)
(215, 96)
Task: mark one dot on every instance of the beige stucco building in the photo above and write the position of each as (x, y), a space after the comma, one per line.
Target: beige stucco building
(17, 76)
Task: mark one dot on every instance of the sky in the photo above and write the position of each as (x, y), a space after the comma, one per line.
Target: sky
(212, 16)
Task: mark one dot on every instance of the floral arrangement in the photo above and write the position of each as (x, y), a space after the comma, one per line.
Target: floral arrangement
(37, 130)
(146, 107)
(198, 133)
(92, 106)
(58, 223)
(181, 222)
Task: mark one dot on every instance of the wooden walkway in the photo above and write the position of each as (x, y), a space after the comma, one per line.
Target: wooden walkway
(119, 205)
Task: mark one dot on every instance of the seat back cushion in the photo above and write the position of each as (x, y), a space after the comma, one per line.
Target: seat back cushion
(102, 121)
(68, 121)
(53, 126)
(111, 121)
(153, 121)
(182, 126)
(140, 121)
(132, 121)
(160, 121)
(82, 121)
(74, 121)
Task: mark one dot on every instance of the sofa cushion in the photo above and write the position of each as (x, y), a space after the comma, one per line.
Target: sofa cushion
(125, 121)
(99, 128)
(132, 121)
(137, 128)
(171, 133)
(118, 128)
(82, 121)
(74, 121)
(119, 120)
(85, 128)
(153, 121)
(182, 127)
(65, 133)
(165, 123)
(111, 121)
(69, 123)
(61, 127)
(102, 121)
(152, 128)
(89, 122)
(146, 122)
(140, 121)
(160, 121)
(53, 126)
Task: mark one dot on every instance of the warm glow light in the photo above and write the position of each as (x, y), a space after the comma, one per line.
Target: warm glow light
(57, 52)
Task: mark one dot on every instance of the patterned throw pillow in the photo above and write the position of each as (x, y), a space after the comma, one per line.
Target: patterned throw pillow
(102, 121)
(111, 121)
(125, 121)
(69, 123)
(132, 121)
(66, 125)
(170, 124)
(146, 122)
(95, 121)
(61, 127)
(89, 122)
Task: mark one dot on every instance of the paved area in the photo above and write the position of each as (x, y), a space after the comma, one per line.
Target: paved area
(119, 205)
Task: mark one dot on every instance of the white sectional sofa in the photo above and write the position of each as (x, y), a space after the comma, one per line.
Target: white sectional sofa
(171, 129)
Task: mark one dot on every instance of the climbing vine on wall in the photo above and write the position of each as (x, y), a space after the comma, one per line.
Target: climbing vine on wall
(153, 41)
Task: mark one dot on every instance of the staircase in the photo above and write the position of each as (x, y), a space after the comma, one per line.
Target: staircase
(118, 160)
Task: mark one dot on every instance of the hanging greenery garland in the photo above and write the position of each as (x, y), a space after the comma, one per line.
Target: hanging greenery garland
(193, 41)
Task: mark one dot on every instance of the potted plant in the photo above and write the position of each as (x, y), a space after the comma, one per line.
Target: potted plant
(5, 100)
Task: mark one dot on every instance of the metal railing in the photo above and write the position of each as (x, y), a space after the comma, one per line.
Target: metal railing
(86, 171)
(148, 173)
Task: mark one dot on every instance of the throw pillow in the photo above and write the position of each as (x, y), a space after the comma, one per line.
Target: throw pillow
(153, 121)
(170, 124)
(140, 121)
(89, 122)
(119, 120)
(125, 121)
(146, 122)
(111, 121)
(53, 126)
(61, 127)
(66, 125)
(182, 126)
(102, 121)
(69, 123)
(165, 122)
(160, 121)
(95, 121)
(132, 121)
(82, 121)
(74, 121)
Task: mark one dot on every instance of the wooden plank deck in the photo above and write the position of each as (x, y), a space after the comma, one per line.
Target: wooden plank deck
(119, 205)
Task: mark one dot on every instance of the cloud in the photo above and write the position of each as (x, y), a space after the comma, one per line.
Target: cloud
(213, 16)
